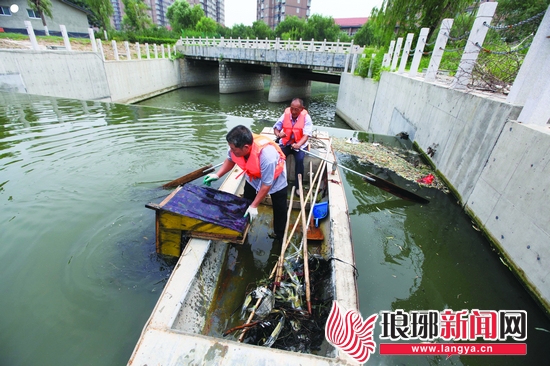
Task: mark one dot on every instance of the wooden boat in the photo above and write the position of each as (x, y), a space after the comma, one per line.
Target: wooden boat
(212, 278)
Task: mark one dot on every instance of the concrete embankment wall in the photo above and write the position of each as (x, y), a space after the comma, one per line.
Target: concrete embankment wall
(64, 74)
(134, 80)
(497, 166)
(84, 75)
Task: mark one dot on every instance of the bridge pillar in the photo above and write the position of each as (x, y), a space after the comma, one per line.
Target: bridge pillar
(285, 86)
(198, 73)
(235, 79)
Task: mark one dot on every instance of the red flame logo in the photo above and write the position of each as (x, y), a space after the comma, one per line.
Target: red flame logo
(350, 333)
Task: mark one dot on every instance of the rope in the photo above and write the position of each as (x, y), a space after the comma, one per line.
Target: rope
(501, 27)
(355, 270)
(457, 38)
(502, 52)
(451, 50)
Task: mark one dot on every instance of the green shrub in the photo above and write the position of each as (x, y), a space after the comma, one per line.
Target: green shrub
(193, 33)
(150, 36)
(365, 62)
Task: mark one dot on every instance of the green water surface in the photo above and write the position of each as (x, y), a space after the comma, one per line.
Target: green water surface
(79, 271)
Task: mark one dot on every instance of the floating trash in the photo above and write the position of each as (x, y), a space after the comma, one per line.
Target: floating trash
(405, 163)
(427, 179)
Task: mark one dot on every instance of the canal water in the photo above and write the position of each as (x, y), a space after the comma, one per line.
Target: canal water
(77, 256)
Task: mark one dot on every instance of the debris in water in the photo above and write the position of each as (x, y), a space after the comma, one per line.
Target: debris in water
(403, 135)
(427, 179)
(405, 163)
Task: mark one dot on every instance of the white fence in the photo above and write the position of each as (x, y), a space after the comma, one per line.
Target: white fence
(470, 54)
(274, 44)
(266, 44)
(153, 51)
(531, 87)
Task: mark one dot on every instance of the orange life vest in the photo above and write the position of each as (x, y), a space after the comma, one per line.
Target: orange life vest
(251, 166)
(297, 129)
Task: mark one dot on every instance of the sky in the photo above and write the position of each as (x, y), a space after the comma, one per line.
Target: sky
(244, 11)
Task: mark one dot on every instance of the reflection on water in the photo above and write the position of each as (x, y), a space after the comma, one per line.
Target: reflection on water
(429, 257)
(254, 104)
(79, 271)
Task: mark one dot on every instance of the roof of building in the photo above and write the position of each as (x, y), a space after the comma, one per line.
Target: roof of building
(350, 22)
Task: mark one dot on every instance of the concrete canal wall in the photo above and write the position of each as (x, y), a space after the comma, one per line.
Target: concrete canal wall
(497, 166)
(135, 80)
(84, 75)
(64, 74)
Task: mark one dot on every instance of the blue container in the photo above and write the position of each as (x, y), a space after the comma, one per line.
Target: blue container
(320, 211)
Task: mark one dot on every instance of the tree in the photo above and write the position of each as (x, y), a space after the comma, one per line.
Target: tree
(242, 31)
(102, 9)
(136, 15)
(262, 30)
(510, 12)
(400, 17)
(42, 7)
(292, 27)
(223, 31)
(365, 35)
(382, 33)
(196, 14)
(206, 25)
(320, 28)
(182, 17)
(344, 37)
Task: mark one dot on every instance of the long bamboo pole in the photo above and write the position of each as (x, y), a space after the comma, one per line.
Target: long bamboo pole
(314, 198)
(279, 265)
(289, 238)
(304, 241)
(241, 337)
(283, 248)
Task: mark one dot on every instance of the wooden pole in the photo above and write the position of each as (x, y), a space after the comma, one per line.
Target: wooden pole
(191, 176)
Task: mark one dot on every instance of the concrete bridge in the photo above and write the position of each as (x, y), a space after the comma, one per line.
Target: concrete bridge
(239, 65)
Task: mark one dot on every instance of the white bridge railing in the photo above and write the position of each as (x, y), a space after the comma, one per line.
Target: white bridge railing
(274, 44)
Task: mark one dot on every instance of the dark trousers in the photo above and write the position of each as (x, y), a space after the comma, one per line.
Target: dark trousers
(299, 160)
(279, 208)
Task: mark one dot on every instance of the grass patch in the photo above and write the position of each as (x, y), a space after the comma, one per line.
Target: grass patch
(53, 39)
(15, 36)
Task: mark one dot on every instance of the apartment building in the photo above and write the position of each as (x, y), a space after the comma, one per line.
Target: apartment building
(214, 9)
(118, 13)
(158, 11)
(272, 12)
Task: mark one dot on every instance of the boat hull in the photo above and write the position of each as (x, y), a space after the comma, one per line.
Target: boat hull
(182, 328)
